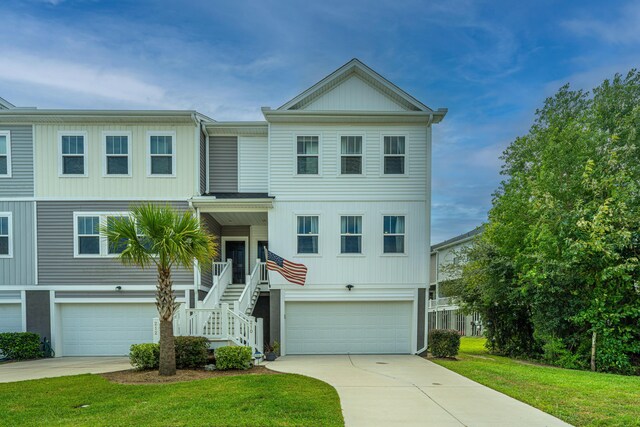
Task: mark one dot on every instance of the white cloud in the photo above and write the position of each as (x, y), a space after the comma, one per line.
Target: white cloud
(621, 30)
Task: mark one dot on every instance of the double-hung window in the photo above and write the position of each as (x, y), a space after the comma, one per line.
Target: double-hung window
(307, 155)
(307, 234)
(162, 157)
(394, 155)
(6, 237)
(73, 152)
(351, 155)
(88, 235)
(114, 247)
(351, 234)
(117, 154)
(393, 234)
(5, 154)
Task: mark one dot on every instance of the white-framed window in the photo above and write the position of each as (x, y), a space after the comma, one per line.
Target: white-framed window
(5, 154)
(117, 153)
(6, 235)
(89, 242)
(308, 155)
(394, 155)
(73, 153)
(351, 234)
(161, 154)
(307, 234)
(351, 155)
(393, 231)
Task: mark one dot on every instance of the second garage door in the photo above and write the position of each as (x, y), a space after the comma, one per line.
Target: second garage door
(10, 318)
(348, 327)
(105, 329)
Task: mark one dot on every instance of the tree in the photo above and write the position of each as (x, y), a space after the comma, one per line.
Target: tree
(162, 237)
(556, 273)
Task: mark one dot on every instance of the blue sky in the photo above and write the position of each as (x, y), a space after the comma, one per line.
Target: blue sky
(491, 63)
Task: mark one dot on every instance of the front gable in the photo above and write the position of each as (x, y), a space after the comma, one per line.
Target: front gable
(355, 87)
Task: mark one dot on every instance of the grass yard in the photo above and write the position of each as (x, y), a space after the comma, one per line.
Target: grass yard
(577, 397)
(247, 400)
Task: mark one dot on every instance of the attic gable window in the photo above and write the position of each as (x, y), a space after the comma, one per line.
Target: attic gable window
(394, 155)
(307, 155)
(5, 154)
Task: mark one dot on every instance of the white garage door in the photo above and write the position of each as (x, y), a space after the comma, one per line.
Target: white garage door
(10, 318)
(348, 327)
(105, 329)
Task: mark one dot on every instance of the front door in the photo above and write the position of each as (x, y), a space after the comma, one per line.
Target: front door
(235, 250)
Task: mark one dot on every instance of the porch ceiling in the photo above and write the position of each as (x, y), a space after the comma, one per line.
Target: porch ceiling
(240, 218)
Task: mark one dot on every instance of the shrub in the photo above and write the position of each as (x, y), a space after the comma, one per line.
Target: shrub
(145, 356)
(20, 345)
(233, 357)
(191, 352)
(444, 342)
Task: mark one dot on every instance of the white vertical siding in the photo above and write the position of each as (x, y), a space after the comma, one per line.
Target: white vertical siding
(329, 184)
(257, 233)
(252, 164)
(356, 95)
(373, 268)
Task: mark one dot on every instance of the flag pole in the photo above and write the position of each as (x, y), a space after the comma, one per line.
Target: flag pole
(266, 259)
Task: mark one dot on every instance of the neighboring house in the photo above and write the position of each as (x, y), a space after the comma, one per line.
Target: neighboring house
(444, 313)
(338, 179)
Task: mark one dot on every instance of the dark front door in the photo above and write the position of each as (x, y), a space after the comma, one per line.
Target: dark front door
(235, 250)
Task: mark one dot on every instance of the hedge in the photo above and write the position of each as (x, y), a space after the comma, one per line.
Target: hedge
(444, 342)
(233, 357)
(191, 352)
(145, 356)
(21, 345)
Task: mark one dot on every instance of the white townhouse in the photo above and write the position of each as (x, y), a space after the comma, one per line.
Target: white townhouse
(337, 179)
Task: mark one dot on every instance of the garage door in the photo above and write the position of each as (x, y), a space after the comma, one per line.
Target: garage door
(10, 318)
(348, 327)
(105, 329)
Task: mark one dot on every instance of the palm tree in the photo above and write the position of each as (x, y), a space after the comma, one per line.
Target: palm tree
(161, 236)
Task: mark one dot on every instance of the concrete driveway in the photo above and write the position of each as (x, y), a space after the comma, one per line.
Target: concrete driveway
(390, 390)
(60, 366)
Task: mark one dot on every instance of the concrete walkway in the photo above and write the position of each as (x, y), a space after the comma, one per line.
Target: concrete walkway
(60, 366)
(392, 390)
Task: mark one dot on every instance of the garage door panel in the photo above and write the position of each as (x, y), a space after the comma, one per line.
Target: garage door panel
(348, 327)
(105, 329)
(10, 318)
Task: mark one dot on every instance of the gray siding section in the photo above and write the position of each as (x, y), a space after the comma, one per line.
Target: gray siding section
(223, 164)
(38, 313)
(203, 163)
(20, 269)
(56, 264)
(212, 227)
(422, 312)
(274, 316)
(21, 182)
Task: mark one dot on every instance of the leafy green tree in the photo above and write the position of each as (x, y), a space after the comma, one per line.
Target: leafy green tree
(162, 237)
(556, 273)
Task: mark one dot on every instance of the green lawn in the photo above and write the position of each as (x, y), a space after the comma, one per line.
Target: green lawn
(247, 400)
(578, 397)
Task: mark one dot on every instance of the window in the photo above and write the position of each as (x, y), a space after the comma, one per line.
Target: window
(307, 234)
(351, 234)
(162, 157)
(117, 156)
(393, 231)
(88, 235)
(5, 154)
(307, 155)
(115, 247)
(394, 152)
(351, 155)
(6, 244)
(73, 154)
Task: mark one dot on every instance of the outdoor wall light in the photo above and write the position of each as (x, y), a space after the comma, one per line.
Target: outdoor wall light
(349, 287)
(118, 288)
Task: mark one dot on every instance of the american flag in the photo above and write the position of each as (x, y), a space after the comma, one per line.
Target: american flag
(293, 272)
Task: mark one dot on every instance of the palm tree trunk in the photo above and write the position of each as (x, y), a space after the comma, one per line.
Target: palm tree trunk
(165, 301)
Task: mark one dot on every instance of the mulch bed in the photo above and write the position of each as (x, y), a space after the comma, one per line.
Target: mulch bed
(132, 376)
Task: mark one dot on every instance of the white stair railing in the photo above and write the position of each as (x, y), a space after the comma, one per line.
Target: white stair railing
(253, 280)
(221, 279)
(264, 273)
